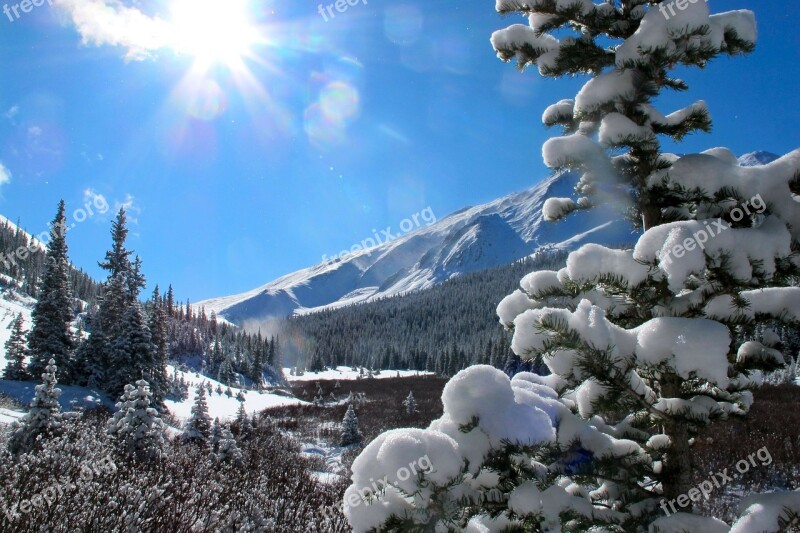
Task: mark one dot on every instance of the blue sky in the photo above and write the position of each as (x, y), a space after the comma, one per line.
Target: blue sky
(237, 170)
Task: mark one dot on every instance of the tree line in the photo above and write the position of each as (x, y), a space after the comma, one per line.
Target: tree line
(113, 338)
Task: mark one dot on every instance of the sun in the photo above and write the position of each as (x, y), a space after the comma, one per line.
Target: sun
(214, 32)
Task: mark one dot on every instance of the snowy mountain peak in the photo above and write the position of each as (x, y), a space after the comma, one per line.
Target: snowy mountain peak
(471, 239)
(757, 158)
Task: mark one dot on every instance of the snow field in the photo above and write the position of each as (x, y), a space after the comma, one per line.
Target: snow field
(346, 373)
(220, 405)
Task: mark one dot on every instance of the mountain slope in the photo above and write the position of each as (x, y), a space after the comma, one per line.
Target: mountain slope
(472, 239)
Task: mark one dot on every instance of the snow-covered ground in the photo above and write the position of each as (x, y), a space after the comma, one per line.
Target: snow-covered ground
(13, 302)
(345, 373)
(7, 416)
(220, 405)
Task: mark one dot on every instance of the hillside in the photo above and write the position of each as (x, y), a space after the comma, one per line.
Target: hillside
(442, 329)
(469, 240)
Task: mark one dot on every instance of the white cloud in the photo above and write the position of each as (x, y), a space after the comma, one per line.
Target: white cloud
(131, 209)
(97, 200)
(109, 22)
(12, 112)
(5, 175)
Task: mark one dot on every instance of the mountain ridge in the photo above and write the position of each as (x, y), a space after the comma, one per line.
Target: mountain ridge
(471, 239)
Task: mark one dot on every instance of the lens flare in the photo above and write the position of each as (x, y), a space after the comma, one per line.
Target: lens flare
(206, 101)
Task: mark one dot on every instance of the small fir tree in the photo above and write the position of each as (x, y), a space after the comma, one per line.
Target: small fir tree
(136, 426)
(16, 351)
(410, 404)
(44, 420)
(351, 434)
(198, 427)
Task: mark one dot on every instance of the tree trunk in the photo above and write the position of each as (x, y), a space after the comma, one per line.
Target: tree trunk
(678, 463)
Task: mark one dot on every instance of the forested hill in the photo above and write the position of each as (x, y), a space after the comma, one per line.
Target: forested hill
(441, 329)
(22, 259)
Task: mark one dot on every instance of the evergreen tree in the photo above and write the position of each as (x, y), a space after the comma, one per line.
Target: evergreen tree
(257, 370)
(216, 435)
(198, 427)
(133, 353)
(223, 444)
(351, 434)
(159, 337)
(410, 404)
(50, 336)
(243, 421)
(646, 346)
(16, 351)
(614, 112)
(120, 289)
(120, 348)
(170, 302)
(226, 374)
(92, 356)
(216, 356)
(44, 418)
(136, 425)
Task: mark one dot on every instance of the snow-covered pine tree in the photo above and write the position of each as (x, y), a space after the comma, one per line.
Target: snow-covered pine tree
(44, 417)
(115, 297)
(136, 426)
(133, 353)
(157, 374)
(50, 336)
(223, 444)
(257, 367)
(655, 333)
(319, 401)
(243, 421)
(198, 427)
(227, 449)
(645, 346)
(216, 435)
(16, 351)
(170, 303)
(351, 434)
(410, 404)
(226, 374)
(110, 364)
(91, 359)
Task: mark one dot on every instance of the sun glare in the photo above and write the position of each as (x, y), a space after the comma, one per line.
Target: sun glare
(213, 31)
